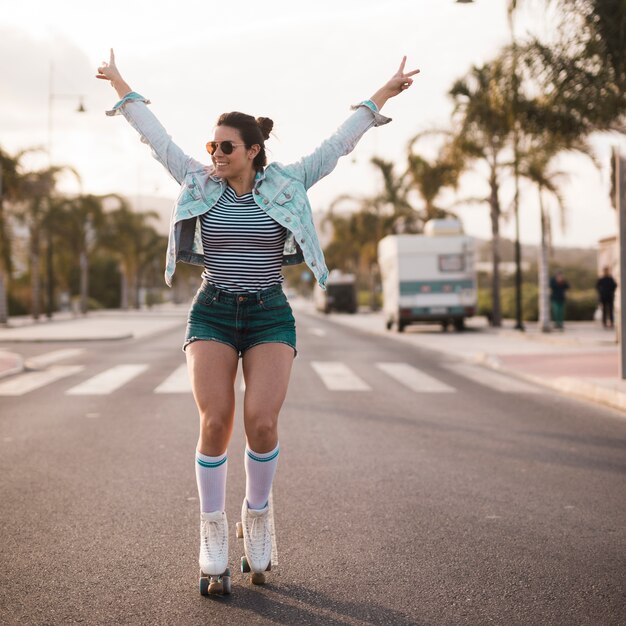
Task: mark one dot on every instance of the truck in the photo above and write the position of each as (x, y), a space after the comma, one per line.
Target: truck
(430, 277)
(340, 294)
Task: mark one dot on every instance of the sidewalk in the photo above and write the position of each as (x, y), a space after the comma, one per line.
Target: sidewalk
(582, 361)
(109, 325)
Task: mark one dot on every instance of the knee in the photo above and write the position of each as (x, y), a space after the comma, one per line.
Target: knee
(214, 428)
(262, 433)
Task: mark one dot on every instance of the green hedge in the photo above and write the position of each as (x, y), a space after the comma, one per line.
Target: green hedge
(580, 305)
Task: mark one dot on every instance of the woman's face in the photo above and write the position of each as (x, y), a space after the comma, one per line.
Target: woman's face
(239, 161)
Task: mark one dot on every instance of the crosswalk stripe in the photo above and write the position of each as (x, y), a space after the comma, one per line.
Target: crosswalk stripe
(339, 377)
(107, 381)
(414, 379)
(494, 380)
(177, 382)
(42, 360)
(24, 383)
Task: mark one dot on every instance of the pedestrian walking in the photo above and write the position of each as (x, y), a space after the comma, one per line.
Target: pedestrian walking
(242, 219)
(558, 289)
(606, 286)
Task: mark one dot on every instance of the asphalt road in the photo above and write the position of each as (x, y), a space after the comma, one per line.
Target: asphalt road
(433, 493)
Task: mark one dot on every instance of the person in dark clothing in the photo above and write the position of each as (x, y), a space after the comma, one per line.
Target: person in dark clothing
(558, 287)
(606, 287)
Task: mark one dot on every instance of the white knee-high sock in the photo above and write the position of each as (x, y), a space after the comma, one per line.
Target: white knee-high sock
(260, 470)
(211, 479)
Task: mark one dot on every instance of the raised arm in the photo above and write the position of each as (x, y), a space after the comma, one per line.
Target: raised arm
(323, 159)
(134, 108)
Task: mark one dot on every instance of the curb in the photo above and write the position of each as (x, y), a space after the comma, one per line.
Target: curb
(67, 339)
(569, 386)
(17, 368)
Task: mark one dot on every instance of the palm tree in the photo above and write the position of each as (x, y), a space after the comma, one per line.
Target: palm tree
(483, 132)
(9, 189)
(125, 234)
(430, 177)
(81, 219)
(537, 164)
(585, 71)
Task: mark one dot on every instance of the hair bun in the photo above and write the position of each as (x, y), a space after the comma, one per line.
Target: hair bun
(266, 125)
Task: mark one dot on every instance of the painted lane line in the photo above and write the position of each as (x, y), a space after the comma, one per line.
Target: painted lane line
(318, 332)
(30, 381)
(107, 381)
(42, 360)
(339, 377)
(177, 382)
(414, 379)
(494, 380)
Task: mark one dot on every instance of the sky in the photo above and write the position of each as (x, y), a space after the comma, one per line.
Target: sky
(301, 64)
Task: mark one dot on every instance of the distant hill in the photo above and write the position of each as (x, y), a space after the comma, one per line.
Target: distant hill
(583, 257)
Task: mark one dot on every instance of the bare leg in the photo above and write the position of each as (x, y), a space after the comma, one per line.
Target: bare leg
(212, 369)
(266, 368)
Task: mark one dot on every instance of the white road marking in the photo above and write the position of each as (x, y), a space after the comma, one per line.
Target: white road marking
(19, 385)
(414, 379)
(494, 380)
(318, 332)
(339, 377)
(177, 382)
(40, 361)
(108, 381)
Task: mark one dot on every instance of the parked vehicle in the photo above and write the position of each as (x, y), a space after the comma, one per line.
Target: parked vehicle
(429, 277)
(340, 294)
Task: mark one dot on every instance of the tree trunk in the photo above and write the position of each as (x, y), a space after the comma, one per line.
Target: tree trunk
(4, 305)
(496, 311)
(49, 274)
(84, 282)
(35, 277)
(124, 289)
(544, 281)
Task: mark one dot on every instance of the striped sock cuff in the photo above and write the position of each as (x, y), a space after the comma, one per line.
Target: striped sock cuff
(210, 461)
(263, 457)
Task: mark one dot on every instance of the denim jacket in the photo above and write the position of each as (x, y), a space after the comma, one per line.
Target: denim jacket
(280, 190)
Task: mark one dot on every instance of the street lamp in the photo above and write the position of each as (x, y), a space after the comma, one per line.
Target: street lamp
(49, 259)
(51, 97)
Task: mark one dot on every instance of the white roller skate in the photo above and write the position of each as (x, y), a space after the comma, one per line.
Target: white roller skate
(214, 572)
(255, 530)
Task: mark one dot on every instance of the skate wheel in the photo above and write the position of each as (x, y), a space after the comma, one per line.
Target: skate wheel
(239, 530)
(258, 578)
(227, 583)
(204, 585)
(245, 566)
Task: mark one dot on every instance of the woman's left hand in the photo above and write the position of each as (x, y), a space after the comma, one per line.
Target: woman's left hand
(398, 83)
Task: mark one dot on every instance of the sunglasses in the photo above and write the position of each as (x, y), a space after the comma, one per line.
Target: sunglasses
(227, 146)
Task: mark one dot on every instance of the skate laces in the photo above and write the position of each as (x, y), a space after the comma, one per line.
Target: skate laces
(213, 537)
(258, 530)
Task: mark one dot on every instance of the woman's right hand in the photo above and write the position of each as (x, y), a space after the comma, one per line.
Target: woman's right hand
(109, 71)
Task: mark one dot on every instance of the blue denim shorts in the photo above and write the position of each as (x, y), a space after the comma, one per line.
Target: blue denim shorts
(241, 320)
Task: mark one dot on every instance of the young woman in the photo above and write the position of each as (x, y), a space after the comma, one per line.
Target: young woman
(242, 220)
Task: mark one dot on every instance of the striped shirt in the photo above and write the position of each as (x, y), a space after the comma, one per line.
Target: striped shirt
(243, 245)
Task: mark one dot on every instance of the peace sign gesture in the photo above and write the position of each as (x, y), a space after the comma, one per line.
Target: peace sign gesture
(398, 83)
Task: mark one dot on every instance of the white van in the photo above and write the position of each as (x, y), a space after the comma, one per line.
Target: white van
(429, 277)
